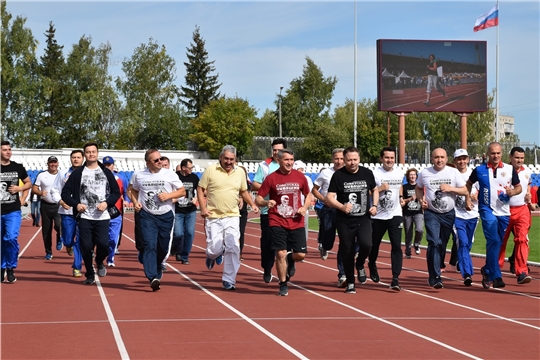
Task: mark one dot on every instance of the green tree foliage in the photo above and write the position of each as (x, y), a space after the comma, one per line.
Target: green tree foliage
(20, 90)
(268, 124)
(201, 87)
(94, 105)
(152, 116)
(225, 121)
(307, 102)
(55, 93)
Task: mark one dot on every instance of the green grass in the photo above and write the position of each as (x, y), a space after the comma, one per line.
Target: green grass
(479, 246)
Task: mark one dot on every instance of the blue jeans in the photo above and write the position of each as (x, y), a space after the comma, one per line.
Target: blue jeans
(70, 238)
(11, 226)
(35, 211)
(438, 230)
(184, 232)
(156, 231)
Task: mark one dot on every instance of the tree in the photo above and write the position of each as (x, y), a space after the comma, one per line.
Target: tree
(52, 69)
(20, 90)
(268, 124)
(225, 121)
(94, 105)
(152, 116)
(307, 102)
(201, 87)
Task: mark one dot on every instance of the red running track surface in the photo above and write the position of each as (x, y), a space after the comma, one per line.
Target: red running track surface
(48, 314)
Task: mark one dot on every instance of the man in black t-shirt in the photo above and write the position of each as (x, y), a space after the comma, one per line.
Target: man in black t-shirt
(185, 213)
(353, 226)
(412, 214)
(10, 203)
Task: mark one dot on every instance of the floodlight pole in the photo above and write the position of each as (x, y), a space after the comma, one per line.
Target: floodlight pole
(463, 129)
(279, 103)
(401, 141)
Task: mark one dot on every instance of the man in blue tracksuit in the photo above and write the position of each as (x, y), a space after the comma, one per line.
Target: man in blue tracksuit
(497, 183)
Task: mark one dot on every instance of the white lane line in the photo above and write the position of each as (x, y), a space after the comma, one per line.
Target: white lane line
(112, 322)
(313, 318)
(414, 333)
(29, 243)
(234, 310)
(240, 314)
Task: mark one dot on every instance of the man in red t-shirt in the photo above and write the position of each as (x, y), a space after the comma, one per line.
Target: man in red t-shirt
(286, 215)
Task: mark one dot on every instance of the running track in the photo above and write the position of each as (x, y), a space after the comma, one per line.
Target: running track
(47, 314)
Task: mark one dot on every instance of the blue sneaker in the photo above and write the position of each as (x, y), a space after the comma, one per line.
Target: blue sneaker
(210, 263)
(219, 260)
(59, 245)
(228, 286)
(48, 257)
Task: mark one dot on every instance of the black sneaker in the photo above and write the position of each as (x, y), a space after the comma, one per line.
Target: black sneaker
(322, 252)
(3, 274)
(438, 284)
(512, 267)
(283, 289)
(350, 289)
(362, 277)
(101, 270)
(267, 276)
(342, 281)
(523, 278)
(90, 281)
(155, 285)
(408, 256)
(178, 257)
(467, 280)
(485, 278)
(11, 276)
(394, 285)
(291, 267)
(498, 283)
(374, 274)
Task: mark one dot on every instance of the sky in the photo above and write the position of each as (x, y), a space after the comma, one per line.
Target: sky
(259, 46)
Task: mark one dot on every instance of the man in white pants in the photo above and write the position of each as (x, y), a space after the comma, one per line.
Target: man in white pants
(222, 183)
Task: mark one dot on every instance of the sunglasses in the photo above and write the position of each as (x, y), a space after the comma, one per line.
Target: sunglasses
(155, 161)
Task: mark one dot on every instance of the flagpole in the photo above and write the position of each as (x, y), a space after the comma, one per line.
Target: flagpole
(355, 110)
(497, 83)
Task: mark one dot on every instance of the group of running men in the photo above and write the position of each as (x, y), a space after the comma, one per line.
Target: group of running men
(360, 204)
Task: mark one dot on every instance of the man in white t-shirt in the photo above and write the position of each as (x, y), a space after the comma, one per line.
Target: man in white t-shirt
(388, 218)
(69, 223)
(49, 208)
(466, 219)
(440, 184)
(90, 190)
(153, 190)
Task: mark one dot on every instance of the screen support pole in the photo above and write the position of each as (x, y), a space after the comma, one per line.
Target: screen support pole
(401, 141)
(463, 129)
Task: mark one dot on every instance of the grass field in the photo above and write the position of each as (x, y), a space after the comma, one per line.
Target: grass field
(479, 246)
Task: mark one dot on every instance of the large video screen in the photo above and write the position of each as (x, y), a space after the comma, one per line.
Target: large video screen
(426, 75)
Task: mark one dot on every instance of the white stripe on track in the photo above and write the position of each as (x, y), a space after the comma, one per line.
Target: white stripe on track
(112, 322)
(234, 310)
(414, 333)
(239, 313)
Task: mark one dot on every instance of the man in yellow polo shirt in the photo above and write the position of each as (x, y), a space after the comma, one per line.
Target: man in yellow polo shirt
(222, 183)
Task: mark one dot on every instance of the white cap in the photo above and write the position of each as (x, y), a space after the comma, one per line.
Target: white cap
(461, 152)
(299, 164)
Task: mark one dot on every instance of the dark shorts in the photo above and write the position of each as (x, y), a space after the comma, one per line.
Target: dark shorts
(283, 239)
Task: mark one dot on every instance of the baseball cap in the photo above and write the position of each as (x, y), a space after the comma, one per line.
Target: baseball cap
(461, 152)
(108, 160)
(52, 159)
(299, 164)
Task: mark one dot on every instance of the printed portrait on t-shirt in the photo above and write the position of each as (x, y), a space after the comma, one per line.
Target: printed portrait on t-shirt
(385, 200)
(151, 201)
(284, 209)
(8, 179)
(460, 202)
(186, 201)
(439, 202)
(4, 193)
(353, 200)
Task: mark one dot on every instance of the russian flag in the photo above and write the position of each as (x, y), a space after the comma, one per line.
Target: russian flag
(488, 20)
